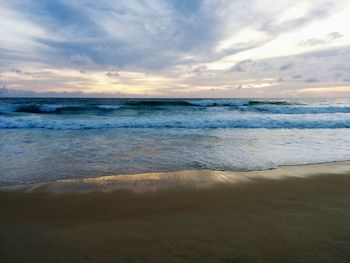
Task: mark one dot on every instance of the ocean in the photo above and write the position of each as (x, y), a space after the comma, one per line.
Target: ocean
(44, 139)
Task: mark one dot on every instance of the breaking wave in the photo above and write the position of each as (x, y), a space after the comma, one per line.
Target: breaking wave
(86, 107)
(62, 114)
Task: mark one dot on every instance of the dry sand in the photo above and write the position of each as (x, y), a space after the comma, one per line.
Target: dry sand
(193, 216)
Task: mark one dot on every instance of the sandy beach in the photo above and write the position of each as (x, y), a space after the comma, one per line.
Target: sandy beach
(174, 131)
(289, 214)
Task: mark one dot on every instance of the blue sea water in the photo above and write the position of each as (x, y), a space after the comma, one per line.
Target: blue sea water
(50, 139)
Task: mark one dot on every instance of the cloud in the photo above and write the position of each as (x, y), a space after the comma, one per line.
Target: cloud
(312, 80)
(286, 66)
(19, 71)
(5, 92)
(298, 76)
(112, 74)
(173, 47)
(242, 66)
(321, 41)
(80, 60)
(197, 71)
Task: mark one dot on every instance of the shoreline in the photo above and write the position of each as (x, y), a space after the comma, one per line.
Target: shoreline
(144, 182)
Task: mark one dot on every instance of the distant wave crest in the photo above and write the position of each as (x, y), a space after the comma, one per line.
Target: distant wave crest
(59, 108)
(261, 106)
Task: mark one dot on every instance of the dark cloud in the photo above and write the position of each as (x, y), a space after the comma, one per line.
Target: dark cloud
(80, 60)
(242, 66)
(20, 71)
(321, 41)
(312, 80)
(298, 76)
(197, 71)
(112, 74)
(286, 66)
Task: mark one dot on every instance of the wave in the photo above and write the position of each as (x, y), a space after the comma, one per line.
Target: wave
(258, 102)
(157, 103)
(56, 109)
(117, 104)
(299, 110)
(185, 123)
(199, 103)
(235, 102)
(240, 105)
(217, 103)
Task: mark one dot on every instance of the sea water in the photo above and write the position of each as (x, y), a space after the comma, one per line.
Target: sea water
(51, 139)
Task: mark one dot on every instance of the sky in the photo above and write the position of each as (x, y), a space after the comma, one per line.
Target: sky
(175, 48)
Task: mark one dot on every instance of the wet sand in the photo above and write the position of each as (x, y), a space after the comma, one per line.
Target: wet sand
(193, 216)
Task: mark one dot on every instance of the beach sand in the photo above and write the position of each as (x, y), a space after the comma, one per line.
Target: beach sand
(290, 214)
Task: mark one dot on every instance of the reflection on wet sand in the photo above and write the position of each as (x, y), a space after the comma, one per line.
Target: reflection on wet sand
(140, 183)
